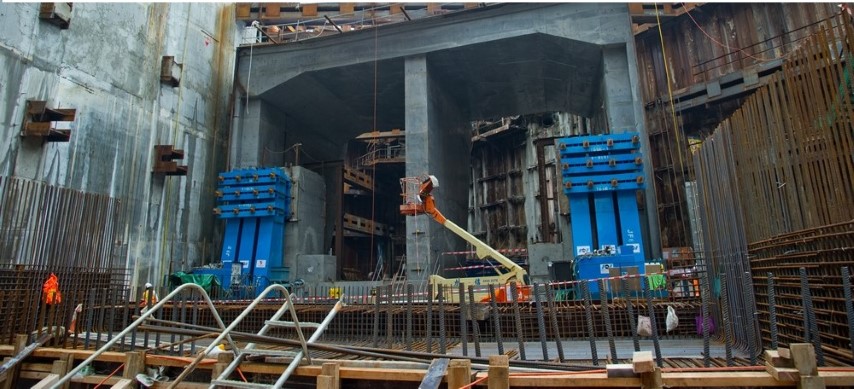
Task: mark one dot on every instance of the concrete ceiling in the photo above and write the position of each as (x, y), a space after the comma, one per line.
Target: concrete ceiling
(520, 75)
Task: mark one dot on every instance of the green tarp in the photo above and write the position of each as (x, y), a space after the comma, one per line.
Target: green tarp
(206, 281)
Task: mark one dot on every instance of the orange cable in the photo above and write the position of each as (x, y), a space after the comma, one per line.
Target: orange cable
(108, 377)
(241, 375)
(477, 381)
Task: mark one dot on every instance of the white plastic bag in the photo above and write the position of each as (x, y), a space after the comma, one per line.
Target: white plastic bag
(672, 320)
(644, 326)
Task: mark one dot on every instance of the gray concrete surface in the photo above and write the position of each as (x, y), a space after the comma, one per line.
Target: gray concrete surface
(107, 66)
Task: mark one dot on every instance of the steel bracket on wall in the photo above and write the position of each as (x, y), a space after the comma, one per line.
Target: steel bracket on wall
(170, 71)
(164, 156)
(41, 121)
(58, 14)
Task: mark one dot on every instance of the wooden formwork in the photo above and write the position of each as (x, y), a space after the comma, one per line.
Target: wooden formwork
(794, 368)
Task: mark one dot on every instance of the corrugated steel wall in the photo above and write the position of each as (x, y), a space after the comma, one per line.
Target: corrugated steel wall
(704, 44)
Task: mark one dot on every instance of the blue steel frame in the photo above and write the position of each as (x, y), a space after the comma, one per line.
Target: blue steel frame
(255, 204)
(601, 177)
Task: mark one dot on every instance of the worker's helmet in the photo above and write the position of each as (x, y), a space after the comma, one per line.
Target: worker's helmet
(148, 285)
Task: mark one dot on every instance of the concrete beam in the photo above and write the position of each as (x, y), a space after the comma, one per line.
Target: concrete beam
(597, 23)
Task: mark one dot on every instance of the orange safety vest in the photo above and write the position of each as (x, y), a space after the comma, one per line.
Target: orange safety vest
(144, 301)
(50, 290)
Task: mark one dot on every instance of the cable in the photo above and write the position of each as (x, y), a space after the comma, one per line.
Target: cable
(676, 128)
(711, 38)
(374, 128)
(108, 377)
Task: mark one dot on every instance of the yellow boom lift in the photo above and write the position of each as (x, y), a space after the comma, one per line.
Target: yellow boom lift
(422, 202)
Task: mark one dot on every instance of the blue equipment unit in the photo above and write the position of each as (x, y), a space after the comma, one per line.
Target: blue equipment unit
(255, 203)
(601, 177)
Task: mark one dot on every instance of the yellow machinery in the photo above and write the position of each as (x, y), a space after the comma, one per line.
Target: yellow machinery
(420, 201)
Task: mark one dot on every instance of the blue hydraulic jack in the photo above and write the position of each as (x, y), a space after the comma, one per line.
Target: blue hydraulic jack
(255, 203)
(601, 177)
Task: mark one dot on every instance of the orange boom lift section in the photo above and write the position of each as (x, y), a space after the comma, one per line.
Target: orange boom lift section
(418, 199)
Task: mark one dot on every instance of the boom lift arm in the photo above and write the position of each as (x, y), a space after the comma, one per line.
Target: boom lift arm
(514, 273)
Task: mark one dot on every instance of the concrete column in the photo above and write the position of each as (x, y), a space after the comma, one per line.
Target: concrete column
(260, 139)
(623, 106)
(438, 143)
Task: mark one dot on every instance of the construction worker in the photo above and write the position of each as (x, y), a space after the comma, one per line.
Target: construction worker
(148, 294)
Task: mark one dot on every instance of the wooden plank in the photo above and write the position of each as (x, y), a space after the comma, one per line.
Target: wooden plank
(325, 382)
(499, 372)
(622, 370)
(642, 362)
(811, 382)
(803, 355)
(243, 10)
(346, 8)
(309, 9)
(459, 373)
(47, 382)
(11, 367)
(134, 364)
(124, 383)
(333, 370)
(720, 379)
(782, 373)
(588, 380)
(784, 353)
(652, 380)
(773, 358)
(272, 10)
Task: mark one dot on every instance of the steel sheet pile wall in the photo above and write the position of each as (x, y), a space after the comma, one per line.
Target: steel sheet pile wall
(43, 224)
(779, 174)
(711, 41)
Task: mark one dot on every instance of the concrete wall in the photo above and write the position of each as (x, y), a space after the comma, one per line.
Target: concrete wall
(304, 232)
(107, 66)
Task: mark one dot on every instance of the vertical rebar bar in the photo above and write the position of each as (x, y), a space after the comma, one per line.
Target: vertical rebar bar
(630, 310)
(101, 314)
(378, 295)
(443, 341)
(125, 312)
(429, 329)
(517, 315)
(461, 292)
(183, 320)
(849, 305)
(541, 320)
(726, 320)
(704, 297)
(389, 320)
(814, 335)
(195, 318)
(751, 322)
(588, 316)
(772, 310)
(606, 315)
(409, 288)
(475, 324)
(495, 319)
(652, 320)
(553, 319)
